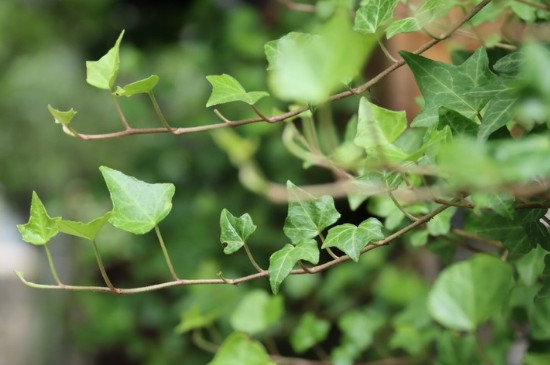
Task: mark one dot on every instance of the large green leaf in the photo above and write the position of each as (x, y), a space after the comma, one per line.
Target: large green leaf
(447, 85)
(226, 89)
(307, 216)
(235, 231)
(283, 261)
(372, 15)
(468, 293)
(85, 230)
(137, 206)
(257, 312)
(308, 68)
(40, 227)
(352, 239)
(239, 349)
(103, 73)
(309, 331)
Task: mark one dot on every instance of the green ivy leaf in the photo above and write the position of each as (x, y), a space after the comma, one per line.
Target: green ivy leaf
(85, 230)
(426, 12)
(239, 349)
(501, 203)
(235, 231)
(226, 89)
(62, 117)
(143, 86)
(40, 227)
(458, 123)
(283, 261)
(441, 223)
(447, 85)
(195, 318)
(137, 206)
(103, 73)
(309, 332)
(378, 128)
(371, 16)
(462, 298)
(352, 239)
(531, 266)
(308, 68)
(257, 312)
(307, 216)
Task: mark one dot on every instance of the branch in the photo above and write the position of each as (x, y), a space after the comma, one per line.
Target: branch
(222, 280)
(281, 117)
(298, 6)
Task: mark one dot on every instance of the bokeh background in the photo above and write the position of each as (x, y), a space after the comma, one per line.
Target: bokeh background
(43, 48)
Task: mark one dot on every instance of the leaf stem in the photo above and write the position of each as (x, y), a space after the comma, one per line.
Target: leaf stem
(202, 343)
(165, 253)
(102, 269)
(251, 258)
(120, 114)
(477, 238)
(158, 111)
(52, 265)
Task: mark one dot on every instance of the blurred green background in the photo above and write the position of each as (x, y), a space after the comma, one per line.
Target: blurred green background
(43, 48)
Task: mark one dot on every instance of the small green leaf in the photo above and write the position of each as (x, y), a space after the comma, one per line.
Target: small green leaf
(194, 318)
(500, 203)
(62, 117)
(283, 261)
(239, 349)
(235, 231)
(103, 73)
(309, 332)
(143, 86)
(226, 89)
(378, 126)
(307, 216)
(257, 312)
(423, 15)
(137, 206)
(462, 298)
(85, 230)
(441, 223)
(40, 228)
(352, 239)
(530, 267)
(373, 15)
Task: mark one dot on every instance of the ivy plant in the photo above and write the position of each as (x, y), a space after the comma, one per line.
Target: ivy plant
(465, 179)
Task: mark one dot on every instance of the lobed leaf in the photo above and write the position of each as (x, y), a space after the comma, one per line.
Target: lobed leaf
(103, 73)
(137, 206)
(40, 228)
(462, 298)
(226, 89)
(447, 85)
(307, 216)
(235, 231)
(283, 261)
(352, 239)
(62, 117)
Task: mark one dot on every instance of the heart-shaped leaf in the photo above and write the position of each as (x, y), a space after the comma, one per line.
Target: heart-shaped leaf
(226, 89)
(143, 86)
(352, 239)
(85, 230)
(310, 331)
(307, 216)
(103, 73)
(257, 312)
(235, 231)
(137, 206)
(40, 228)
(239, 349)
(283, 261)
(462, 298)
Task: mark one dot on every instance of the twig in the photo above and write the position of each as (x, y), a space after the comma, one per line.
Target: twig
(283, 116)
(400, 207)
(298, 6)
(477, 238)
